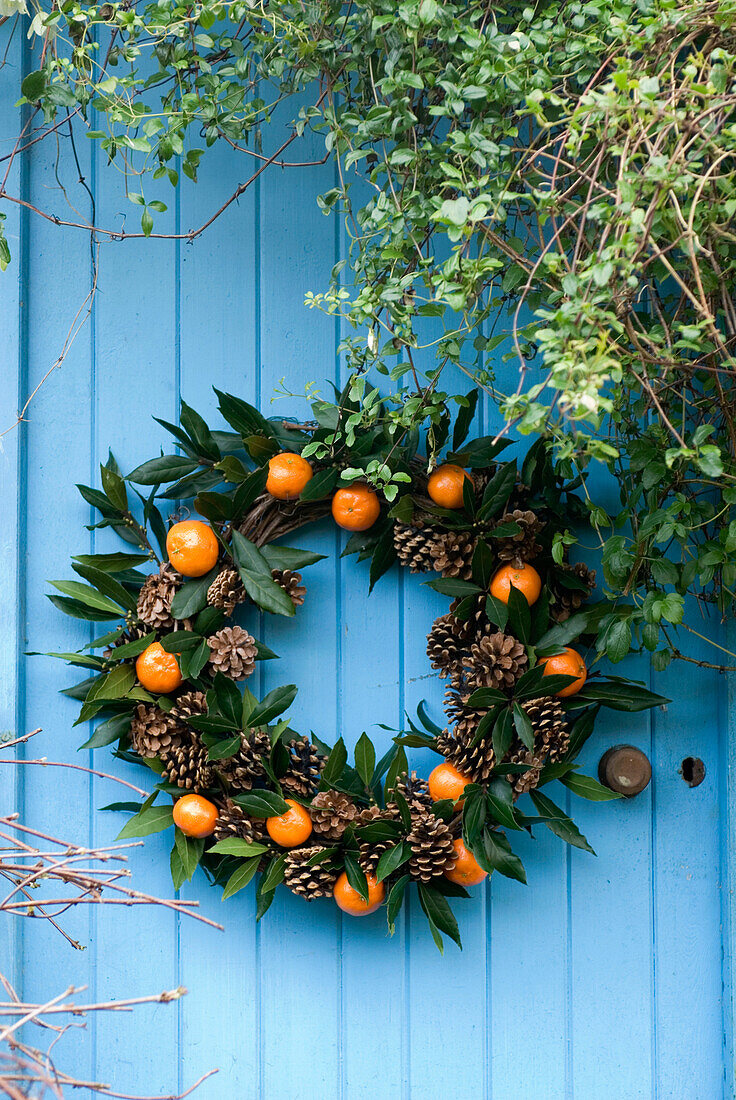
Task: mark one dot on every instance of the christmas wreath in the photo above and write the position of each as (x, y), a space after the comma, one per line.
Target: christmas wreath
(245, 793)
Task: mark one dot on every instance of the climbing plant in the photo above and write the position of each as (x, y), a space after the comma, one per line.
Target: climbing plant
(244, 792)
(549, 184)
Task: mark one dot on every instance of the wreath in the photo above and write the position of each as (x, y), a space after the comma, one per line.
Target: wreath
(245, 793)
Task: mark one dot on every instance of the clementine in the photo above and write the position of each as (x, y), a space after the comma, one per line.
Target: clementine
(569, 663)
(355, 508)
(524, 577)
(466, 871)
(287, 475)
(350, 901)
(447, 782)
(195, 816)
(157, 670)
(291, 828)
(192, 547)
(445, 485)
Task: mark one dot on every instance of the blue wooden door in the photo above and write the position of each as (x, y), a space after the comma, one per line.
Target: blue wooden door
(604, 979)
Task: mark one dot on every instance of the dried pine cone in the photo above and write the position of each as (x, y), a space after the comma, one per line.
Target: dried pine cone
(474, 761)
(240, 770)
(233, 821)
(331, 813)
(551, 742)
(476, 623)
(445, 646)
(291, 582)
(495, 661)
(452, 555)
(370, 852)
(310, 882)
(233, 652)
(414, 543)
(302, 775)
(226, 591)
(155, 596)
(152, 731)
(432, 847)
(522, 546)
(187, 766)
(416, 793)
(566, 601)
(188, 704)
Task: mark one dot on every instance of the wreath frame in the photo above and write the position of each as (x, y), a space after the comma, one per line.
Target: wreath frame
(371, 816)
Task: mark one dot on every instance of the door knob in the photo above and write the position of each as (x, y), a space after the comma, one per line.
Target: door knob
(625, 770)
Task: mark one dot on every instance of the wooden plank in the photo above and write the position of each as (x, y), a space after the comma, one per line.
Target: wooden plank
(300, 941)
(218, 326)
(12, 464)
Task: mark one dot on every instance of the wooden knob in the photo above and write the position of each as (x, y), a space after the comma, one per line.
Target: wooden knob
(625, 770)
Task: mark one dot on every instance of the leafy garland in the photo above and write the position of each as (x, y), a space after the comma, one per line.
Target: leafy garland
(512, 728)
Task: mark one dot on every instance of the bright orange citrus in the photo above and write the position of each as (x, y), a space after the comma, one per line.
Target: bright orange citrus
(192, 547)
(447, 782)
(287, 475)
(467, 871)
(355, 508)
(157, 670)
(291, 828)
(569, 663)
(350, 901)
(195, 816)
(523, 577)
(445, 485)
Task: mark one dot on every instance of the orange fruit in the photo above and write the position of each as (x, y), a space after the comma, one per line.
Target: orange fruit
(523, 577)
(287, 475)
(291, 828)
(192, 547)
(447, 782)
(569, 663)
(157, 670)
(195, 816)
(350, 901)
(467, 871)
(355, 508)
(445, 485)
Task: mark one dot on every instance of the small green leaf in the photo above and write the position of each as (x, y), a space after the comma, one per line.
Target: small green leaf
(153, 819)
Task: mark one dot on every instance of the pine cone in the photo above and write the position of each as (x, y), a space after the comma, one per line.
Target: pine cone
(452, 555)
(522, 546)
(432, 847)
(475, 761)
(240, 770)
(233, 652)
(309, 882)
(368, 814)
(370, 852)
(476, 624)
(187, 766)
(226, 591)
(233, 821)
(495, 661)
(551, 742)
(302, 775)
(416, 793)
(291, 582)
(155, 596)
(331, 813)
(445, 646)
(414, 543)
(566, 601)
(152, 731)
(188, 704)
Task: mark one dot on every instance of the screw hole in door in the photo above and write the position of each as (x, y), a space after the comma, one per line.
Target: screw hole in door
(692, 771)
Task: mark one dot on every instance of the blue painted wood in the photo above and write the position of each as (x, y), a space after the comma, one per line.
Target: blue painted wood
(604, 978)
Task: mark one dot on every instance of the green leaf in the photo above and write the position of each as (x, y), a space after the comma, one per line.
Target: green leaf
(106, 585)
(192, 596)
(320, 485)
(558, 822)
(114, 685)
(274, 874)
(464, 418)
(475, 812)
(262, 804)
(453, 586)
(587, 787)
(392, 859)
(494, 854)
(483, 564)
(384, 555)
(620, 695)
(240, 877)
(498, 490)
(112, 563)
(152, 819)
(523, 726)
(274, 704)
(335, 764)
(581, 731)
(503, 734)
(34, 85)
(501, 803)
(114, 487)
(356, 875)
(159, 471)
(107, 732)
(365, 758)
(289, 557)
(520, 619)
(439, 913)
(236, 846)
(90, 597)
(395, 901)
(185, 857)
(561, 634)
